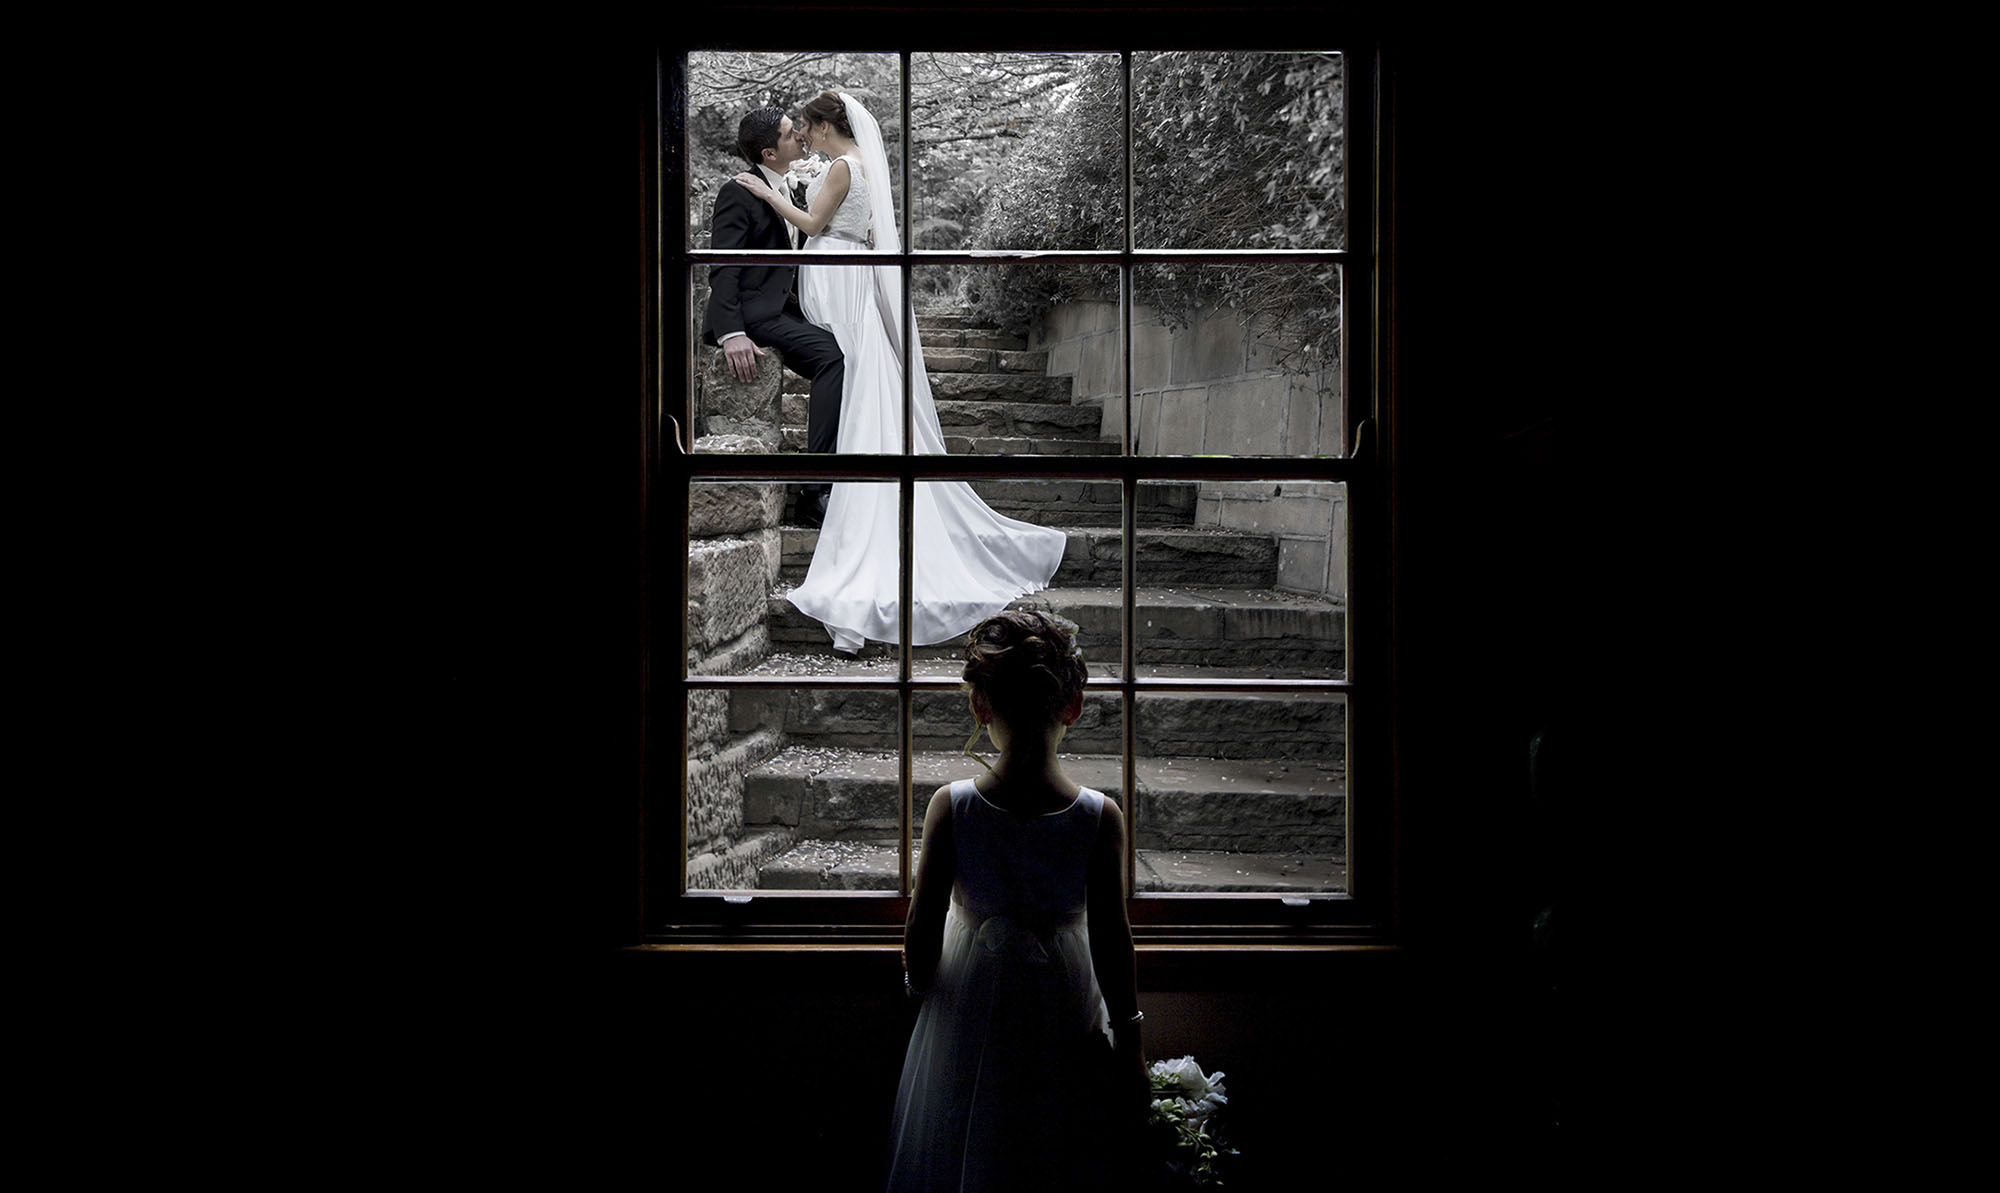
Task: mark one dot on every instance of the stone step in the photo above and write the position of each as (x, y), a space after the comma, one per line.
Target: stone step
(1073, 502)
(1094, 556)
(992, 445)
(968, 337)
(1034, 420)
(1270, 634)
(1182, 803)
(958, 387)
(983, 360)
(735, 867)
(1298, 727)
(943, 317)
(985, 418)
(1086, 503)
(864, 866)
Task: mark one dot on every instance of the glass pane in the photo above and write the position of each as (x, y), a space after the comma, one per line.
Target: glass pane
(1239, 151)
(1241, 792)
(723, 90)
(1017, 151)
(1242, 579)
(792, 790)
(1004, 351)
(1237, 360)
(836, 589)
(1089, 752)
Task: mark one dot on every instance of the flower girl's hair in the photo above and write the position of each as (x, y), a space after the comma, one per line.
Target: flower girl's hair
(1026, 664)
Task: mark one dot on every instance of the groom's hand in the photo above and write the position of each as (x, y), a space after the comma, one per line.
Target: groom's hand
(742, 357)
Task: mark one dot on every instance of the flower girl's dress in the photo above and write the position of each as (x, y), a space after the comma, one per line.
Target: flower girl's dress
(1000, 1085)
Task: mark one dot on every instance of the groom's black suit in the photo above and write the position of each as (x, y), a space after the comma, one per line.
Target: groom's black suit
(762, 301)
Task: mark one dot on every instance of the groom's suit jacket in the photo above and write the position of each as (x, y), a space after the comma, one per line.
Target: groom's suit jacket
(740, 295)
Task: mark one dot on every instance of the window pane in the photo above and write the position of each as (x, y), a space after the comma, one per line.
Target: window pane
(1242, 579)
(723, 88)
(1017, 151)
(1238, 150)
(855, 588)
(1238, 360)
(1242, 792)
(999, 390)
(792, 790)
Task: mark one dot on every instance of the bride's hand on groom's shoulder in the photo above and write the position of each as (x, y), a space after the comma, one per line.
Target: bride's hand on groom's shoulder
(753, 184)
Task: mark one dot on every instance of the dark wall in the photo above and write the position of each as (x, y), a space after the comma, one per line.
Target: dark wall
(1466, 1051)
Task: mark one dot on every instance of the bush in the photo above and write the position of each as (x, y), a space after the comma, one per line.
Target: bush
(1229, 151)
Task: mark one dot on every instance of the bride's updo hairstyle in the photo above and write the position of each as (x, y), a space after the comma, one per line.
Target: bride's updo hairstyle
(828, 108)
(1027, 665)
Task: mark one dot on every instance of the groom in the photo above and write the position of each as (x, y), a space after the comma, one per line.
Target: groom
(750, 306)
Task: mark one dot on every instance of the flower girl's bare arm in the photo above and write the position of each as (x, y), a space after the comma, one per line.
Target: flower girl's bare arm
(937, 870)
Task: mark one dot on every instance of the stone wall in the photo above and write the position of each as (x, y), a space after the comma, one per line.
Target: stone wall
(1215, 389)
(733, 561)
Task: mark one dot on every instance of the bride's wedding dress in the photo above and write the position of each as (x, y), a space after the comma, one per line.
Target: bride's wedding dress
(968, 562)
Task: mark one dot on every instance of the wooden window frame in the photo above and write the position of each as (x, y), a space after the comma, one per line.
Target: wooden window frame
(1366, 916)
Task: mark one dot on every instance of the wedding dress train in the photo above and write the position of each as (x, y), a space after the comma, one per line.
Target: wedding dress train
(967, 561)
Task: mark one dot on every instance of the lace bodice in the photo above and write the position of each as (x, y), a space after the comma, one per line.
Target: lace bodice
(850, 222)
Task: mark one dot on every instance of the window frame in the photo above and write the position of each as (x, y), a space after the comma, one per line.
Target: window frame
(1368, 914)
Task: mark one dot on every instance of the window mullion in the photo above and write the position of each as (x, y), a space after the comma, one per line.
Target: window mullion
(906, 517)
(1128, 522)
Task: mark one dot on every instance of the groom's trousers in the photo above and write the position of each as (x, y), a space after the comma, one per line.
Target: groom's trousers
(811, 352)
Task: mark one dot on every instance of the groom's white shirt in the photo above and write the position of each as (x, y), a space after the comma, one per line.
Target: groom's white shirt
(778, 186)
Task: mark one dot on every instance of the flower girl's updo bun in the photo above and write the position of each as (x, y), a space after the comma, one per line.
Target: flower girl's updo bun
(828, 108)
(1027, 665)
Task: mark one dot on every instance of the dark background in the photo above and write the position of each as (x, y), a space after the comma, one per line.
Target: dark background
(1476, 1050)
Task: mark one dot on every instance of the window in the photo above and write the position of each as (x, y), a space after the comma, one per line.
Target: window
(1124, 341)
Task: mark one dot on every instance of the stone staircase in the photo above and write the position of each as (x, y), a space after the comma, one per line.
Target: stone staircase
(1234, 792)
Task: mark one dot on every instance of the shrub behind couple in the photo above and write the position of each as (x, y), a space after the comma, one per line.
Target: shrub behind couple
(841, 326)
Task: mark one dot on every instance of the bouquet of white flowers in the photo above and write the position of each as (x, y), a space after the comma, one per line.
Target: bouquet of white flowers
(1182, 1122)
(805, 169)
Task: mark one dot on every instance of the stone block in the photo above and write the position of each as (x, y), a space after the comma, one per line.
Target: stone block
(1212, 348)
(1146, 427)
(1065, 358)
(747, 650)
(1288, 514)
(714, 798)
(1113, 425)
(770, 801)
(1102, 357)
(1240, 490)
(1332, 422)
(1152, 355)
(1302, 564)
(1301, 436)
(1022, 362)
(750, 407)
(1245, 418)
(718, 509)
(1336, 575)
(708, 722)
(727, 580)
(956, 360)
(1183, 421)
(1208, 511)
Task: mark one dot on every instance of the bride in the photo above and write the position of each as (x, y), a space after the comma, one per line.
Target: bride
(968, 562)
